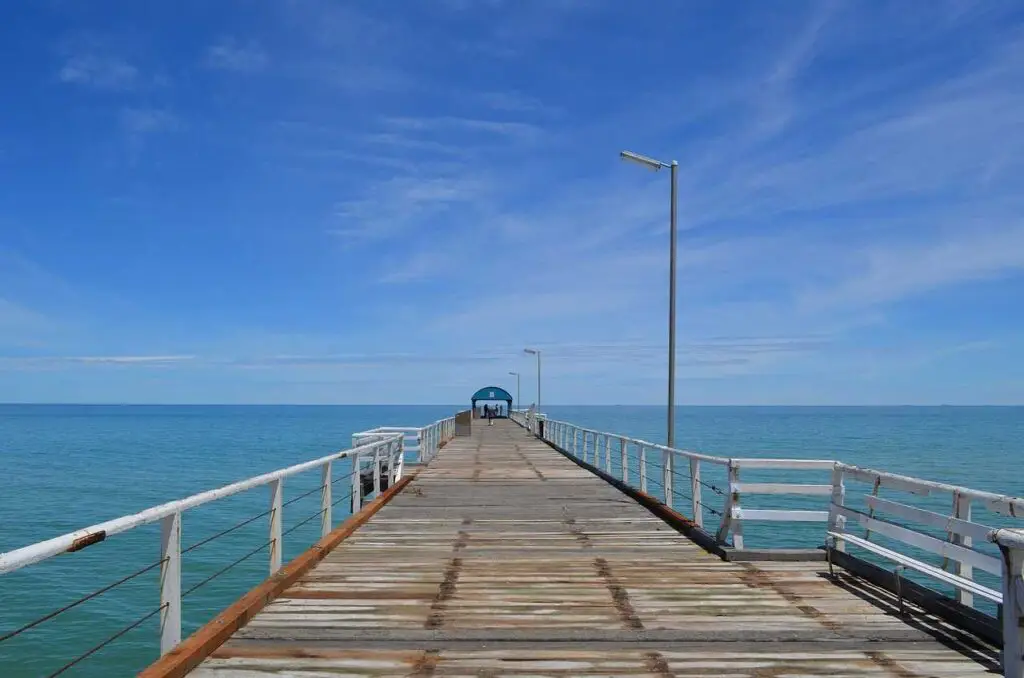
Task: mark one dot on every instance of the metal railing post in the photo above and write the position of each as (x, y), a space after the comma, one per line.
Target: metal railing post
(398, 467)
(695, 494)
(624, 453)
(421, 443)
(836, 521)
(357, 486)
(276, 509)
(643, 468)
(607, 454)
(325, 500)
(734, 506)
(962, 510)
(1011, 547)
(170, 582)
(666, 476)
(376, 470)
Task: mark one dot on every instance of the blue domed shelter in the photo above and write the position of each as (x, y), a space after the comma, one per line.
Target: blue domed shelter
(493, 394)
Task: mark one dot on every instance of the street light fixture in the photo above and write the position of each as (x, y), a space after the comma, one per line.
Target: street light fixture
(536, 352)
(516, 375)
(653, 164)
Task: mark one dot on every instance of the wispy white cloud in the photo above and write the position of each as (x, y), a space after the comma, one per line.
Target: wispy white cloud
(520, 131)
(897, 271)
(137, 124)
(130, 359)
(100, 72)
(396, 205)
(345, 47)
(45, 362)
(776, 98)
(512, 102)
(230, 54)
(140, 121)
(421, 265)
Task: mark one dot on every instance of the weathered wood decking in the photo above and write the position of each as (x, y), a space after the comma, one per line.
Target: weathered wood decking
(505, 558)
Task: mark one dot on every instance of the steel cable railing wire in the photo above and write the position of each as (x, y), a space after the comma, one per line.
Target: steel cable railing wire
(153, 566)
(259, 548)
(227, 567)
(318, 488)
(346, 476)
(256, 517)
(676, 492)
(302, 522)
(710, 486)
(96, 648)
(229, 530)
(76, 603)
(338, 501)
(246, 556)
(710, 509)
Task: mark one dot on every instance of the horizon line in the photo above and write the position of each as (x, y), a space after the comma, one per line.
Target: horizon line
(678, 406)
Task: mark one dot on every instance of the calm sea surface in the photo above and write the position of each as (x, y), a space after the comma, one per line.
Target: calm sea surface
(66, 467)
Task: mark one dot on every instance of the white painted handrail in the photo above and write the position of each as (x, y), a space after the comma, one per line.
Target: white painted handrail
(384, 447)
(958, 549)
(679, 475)
(34, 553)
(424, 441)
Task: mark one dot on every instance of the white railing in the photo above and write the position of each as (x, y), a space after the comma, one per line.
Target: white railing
(952, 532)
(422, 442)
(1011, 548)
(383, 453)
(679, 475)
(947, 525)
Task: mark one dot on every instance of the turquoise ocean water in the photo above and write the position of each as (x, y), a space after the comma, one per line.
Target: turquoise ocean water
(66, 467)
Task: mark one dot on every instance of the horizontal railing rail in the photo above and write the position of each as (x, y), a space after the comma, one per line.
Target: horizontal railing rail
(945, 529)
(935, 520)
(381, 452)
(423, 442)
(678, 475)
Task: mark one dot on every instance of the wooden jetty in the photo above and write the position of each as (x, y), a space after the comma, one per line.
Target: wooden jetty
(504, 557)
(532, 547)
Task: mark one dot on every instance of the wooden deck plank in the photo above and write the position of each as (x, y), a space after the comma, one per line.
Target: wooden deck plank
(504, 558)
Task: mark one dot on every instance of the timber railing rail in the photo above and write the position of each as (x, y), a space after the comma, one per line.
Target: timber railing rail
(954, 541)
(374, 463)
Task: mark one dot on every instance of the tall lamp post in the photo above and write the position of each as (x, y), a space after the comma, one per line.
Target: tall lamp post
(516, 375)
(536, 352)
(652, 164)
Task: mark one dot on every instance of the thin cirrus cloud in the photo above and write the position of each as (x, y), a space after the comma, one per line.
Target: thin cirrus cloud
(32, 362)
(231, 54)
(100, 72)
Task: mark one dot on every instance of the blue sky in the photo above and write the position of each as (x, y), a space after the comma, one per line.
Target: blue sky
(305, 201)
